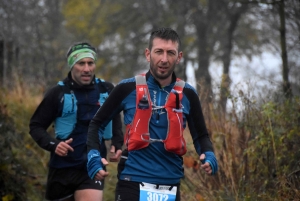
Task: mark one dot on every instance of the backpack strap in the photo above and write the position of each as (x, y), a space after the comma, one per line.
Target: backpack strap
(65, 89)
(101, 82)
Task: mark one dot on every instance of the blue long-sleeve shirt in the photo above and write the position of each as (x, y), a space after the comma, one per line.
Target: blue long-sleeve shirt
(152, 164)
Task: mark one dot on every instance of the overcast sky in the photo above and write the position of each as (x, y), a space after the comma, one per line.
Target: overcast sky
(261, 74)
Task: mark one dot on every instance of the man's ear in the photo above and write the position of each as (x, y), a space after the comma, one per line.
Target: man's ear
(179, 57)
(147, 54)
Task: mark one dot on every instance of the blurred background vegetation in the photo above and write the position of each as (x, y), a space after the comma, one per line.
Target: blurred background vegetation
(255, 130)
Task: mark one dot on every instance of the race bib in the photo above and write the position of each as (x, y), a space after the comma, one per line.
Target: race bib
(149, 192)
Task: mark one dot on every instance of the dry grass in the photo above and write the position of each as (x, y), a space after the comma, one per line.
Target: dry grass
(257, 150)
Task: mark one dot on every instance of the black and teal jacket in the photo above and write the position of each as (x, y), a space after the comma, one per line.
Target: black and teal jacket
(71, 107)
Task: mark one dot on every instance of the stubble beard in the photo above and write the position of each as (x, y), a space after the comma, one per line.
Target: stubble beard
(159, 76)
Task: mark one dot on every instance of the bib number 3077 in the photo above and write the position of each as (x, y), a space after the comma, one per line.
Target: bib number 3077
(149, 192)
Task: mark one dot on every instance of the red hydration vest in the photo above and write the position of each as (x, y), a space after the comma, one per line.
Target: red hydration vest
(137, 134)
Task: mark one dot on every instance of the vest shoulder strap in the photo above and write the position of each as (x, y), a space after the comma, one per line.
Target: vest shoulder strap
(65, 89)
(101, 82)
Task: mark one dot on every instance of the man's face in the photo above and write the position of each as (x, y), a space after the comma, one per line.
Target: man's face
(83, 71)
(163, 57)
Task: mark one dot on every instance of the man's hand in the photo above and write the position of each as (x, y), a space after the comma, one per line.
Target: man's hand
(116, 154)
(205, 165)
(209, 162)
(101, 174)
(63, 147)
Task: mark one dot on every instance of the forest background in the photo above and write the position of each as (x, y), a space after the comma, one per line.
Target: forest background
(254, 123)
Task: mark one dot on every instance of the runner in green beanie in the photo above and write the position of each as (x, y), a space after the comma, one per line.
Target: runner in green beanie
(70, 106)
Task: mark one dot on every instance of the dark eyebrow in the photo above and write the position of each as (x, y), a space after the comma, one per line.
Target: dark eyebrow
(89, 62)
(173, 51)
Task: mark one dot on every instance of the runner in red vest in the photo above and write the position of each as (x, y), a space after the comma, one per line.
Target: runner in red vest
(157, 107)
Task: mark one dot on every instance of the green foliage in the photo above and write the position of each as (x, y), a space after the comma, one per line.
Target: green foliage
(89, 20)
(12, 171)
(110, 181)
(120, 29)
(22, 162)
(273, 153)
(257, 151)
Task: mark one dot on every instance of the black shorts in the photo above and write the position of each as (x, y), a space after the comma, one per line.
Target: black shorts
(64, 182)
(130, 191)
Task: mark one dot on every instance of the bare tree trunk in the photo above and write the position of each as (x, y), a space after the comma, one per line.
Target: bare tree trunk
(9, 64)
(226, 57)
(1, 63)
(202, 21)
(180, 70)
(202, 74)
(285, 68)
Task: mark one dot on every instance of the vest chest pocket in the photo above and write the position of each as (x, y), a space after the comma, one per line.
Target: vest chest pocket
(70, 106)
(64, 125)
(102, 98)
